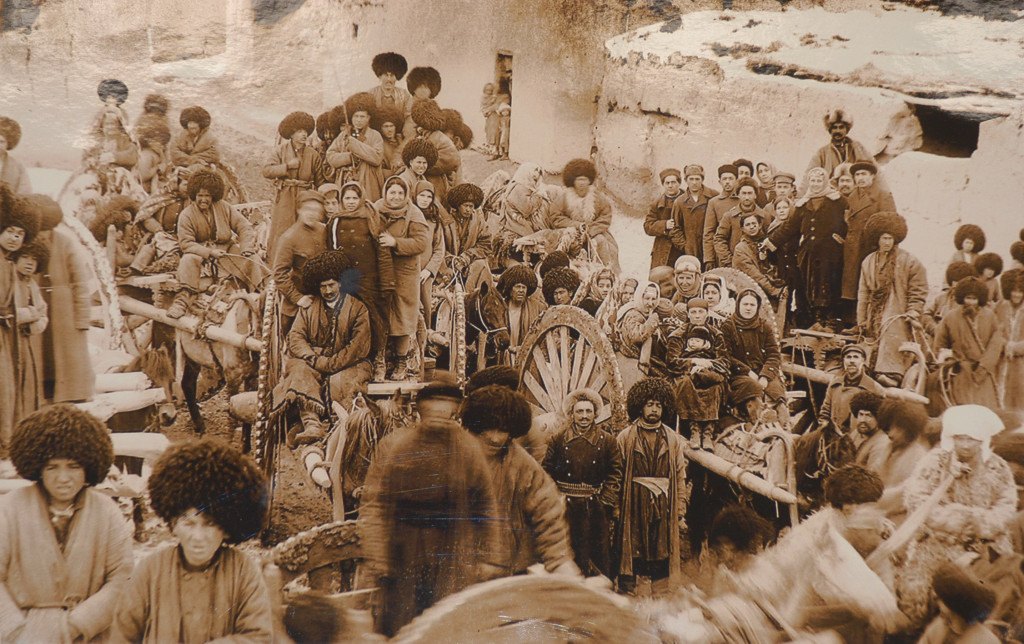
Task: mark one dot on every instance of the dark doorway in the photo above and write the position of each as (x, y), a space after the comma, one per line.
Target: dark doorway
(503, 74)
(948, 134)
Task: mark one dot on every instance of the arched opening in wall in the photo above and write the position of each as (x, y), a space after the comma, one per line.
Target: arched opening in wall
(947, 133)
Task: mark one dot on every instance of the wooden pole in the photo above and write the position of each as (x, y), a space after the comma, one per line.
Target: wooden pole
(737, 474)
(817, 375)
(190, 324)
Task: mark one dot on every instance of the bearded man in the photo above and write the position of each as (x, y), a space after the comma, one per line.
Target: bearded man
(970, 334)
(844, 386)
(873, 445)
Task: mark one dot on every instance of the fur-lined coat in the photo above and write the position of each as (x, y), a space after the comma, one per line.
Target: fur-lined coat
(359, 159)
(44, 587)
(864, 202)
(908, 292)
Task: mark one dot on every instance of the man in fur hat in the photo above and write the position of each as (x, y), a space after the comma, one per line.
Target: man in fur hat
(580, 205)
(873, 444)
(467, 237)
(689, 211)
(586, 465)
(429, 122)
(329, 341)
(357, 153)
(970, 334)
(659, 222)
(518, 285)
(389, 68)
(527, 504)
(560, 286)
(840, 148)
(11, 171)
(210, 230)
(965, 604)
(716, 209)
(427, 513)
(195, 144)
(652, 533)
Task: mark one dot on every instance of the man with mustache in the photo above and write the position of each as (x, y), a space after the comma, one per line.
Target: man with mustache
(844, 386)
(970, 334)
(873, 444)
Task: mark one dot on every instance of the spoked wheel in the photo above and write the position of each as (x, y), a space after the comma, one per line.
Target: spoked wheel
(565, 350)
(268, 433)
(451, 319)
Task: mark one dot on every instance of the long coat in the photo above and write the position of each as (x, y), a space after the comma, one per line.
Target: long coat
(908, 293)
(754, 348)
(730, 232)
(821, 225)
(44, 587)
(65, 346)
(1011, 371)
(359, 159)
(689, 213)
(289, 183)
(665, 250)
(716, 209)
(638, 501)
(186, 151)
(864, 202)
(411, 238)
(978, 346)
(238, 607)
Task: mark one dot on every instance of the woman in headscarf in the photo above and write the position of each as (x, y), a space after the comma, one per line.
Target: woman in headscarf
(11, 171)
(720, 304)
(751, 345)
(523, 202)
(892, 283)
(356, 232)
(433, 254)
(406, 234)
(357, 154)
(971, 496)
(65, 549)
(580, 204)
(636, 323)
(765, 175)
(819, 220)
(296, 166)
(599, 287)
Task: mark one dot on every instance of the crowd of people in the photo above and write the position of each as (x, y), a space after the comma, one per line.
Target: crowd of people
(372, 219)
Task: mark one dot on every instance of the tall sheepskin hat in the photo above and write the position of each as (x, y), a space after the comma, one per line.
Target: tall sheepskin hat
(427, 115)
(207, 179)
(419, 148)
(838, 116)
(500, 375)
(964, 594)
(911, 417)
(112, 88)
(323, 125)
(452, 119)
(956, 271)
(10, 130)
(517, 274)
(578, 168)
(742, 527)
(971, 286)
(745, 163)
(865, 401)
(387, 114)
(1017, 251)
(554, 259)
(389, 61)
(852, 485)
(117, 211)
(583, 393)
(972, 232)
(45, 208)
(650, 389)
(294, 122)
(361, 102)
(210, 476)
(62, 431)
(38, 250)
(195, 114)
(988, 260)
(1011, 280)
(497, 407)
(424, 76)
(465, 193)
(156, 104)
(13, 212)
(884, 222)
(328, 265)
(337, 117)
(559, 278)
(463, 136)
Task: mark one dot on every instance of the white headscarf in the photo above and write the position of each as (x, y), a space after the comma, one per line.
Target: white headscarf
(638, 298)
(976, 421)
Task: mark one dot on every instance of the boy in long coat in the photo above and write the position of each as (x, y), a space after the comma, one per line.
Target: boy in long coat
(652, 529)
(660, 223)
(295, 167)
(357, 153)
(971, 335)
(689, 211)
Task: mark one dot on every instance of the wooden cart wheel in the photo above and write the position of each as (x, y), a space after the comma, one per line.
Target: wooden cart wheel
(451, 319)
(564, 351)
(736, 281)
(267, 433)
(233, 191)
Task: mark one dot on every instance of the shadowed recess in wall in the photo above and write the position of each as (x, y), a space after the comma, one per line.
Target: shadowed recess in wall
(18, 14)
(270, 12)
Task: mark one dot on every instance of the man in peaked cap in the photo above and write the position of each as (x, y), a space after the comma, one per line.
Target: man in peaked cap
(717, 206)
(659, 222)
(835, 409)
(689, 210)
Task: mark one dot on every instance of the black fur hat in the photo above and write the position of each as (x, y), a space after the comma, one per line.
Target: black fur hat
(195, 114)
(562, 277)
(45, 208)
(501, 375)
(742, 527)
(337, 118)
(851, 485)
(361, 102)
(10, 130)
(865, 401)
(387, 114)
(971, 286)
(14, 211)
(749, 165)
(419, 148)
(210, 476)
(578, 168)
(963, 594)
(294, 122)
(452, 119)
(40, 251)
(463, 193)
(389, 61)
(117, 210)
(111, 87)
(554, 259)
(323, 124)
(62, 431)
(650, 389)
(972, 232)
(156, 104)
(1011, 280)
(910, 416)
(464, 134)
(1017, 251)
(988, 260)
(957, 271)
(884, 222)
(424, 76)
(207, 179)
(517, 274)
(427, 115)
(153, 132)
(328, 265)
(497, 407)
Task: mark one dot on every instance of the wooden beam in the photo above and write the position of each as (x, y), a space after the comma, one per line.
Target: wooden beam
(190, 324)
(817, 375)
(738, 475)
(103, 406)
